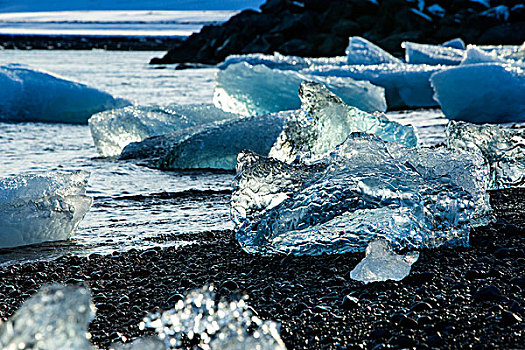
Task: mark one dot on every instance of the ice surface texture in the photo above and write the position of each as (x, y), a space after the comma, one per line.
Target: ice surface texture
(255, 90)
(325, 121)
(502, 147)
(29, 95)
(432, 54)
(362, 51)
(113, 130)
(481, 93)
(40, 208)
(208, 146)
(382, 264)
(215, 324)
(57, 317)
(457, 43)
(406, 85)
(358, 193)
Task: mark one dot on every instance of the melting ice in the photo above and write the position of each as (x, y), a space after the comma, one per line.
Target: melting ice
(255, 90)
(40, 208)
(31, 95)
(113, 130)
(361, 51)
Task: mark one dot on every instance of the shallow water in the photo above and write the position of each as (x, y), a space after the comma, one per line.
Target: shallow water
(134, 207)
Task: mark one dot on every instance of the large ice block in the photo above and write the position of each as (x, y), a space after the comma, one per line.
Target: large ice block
(208, 146)
(41, 208)
(214, 324)
(358, 193)
(255, 90)
(114, 129)
(406, 85)
(325, 121)
(382, 264)
(481, 93)
(29, 95)
(362, 51)
(432, 54)
(502, 147)
(57, 317)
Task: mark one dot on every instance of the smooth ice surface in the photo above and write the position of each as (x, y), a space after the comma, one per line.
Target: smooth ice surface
(216, 324)
(382, 264)
(362, 51)
(41, 208)
(431, 54)
(57, 317)
(325, 121)
(406, 85)
(113, 130)
(255, 90)
(213, 146)
(502, 147)
(358, 193)
(481, 93)
(32, 95)
(457, 43)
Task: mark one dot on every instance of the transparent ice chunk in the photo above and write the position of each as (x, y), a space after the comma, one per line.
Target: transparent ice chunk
(29, 95)
(382, 264)
(326, 121)
(406, 85)
(481, 93)
(213, 146)
(358, 193)
(431, 54)
(215, 324)
(362, 51)
(43, 207)
(255, 90)
(502, 147)
(57, 317)
(113, 130)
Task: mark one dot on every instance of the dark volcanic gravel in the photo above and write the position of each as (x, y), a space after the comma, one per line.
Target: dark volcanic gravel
(454, 298)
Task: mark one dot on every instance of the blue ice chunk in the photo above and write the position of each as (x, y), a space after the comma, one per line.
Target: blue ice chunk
(362, 51)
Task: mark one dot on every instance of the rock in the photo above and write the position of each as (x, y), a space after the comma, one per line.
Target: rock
(350, 302)
(510, 318)
(487, 293)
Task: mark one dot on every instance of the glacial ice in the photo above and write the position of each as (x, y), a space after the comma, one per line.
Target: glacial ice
(358, 193)
(382, 264)
(457, 43)
(481, 93)
(30, 95)
(502, 147)
(431, 54)
(40, 208)
(325, 121)
(215, 324)
(474, 55)
(275, 61)
(210, 145)
(361, 51)
(255, 90)
(406, 85)
(114, 129)
(57, 317)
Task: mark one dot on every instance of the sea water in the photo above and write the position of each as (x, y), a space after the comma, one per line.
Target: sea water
(134, 206)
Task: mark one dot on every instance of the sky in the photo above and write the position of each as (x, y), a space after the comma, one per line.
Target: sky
(86, 5)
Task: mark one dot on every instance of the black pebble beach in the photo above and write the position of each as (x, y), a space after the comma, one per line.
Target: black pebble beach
(454, 298)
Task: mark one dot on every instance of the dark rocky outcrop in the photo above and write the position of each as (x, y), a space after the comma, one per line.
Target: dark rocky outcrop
(319, 28)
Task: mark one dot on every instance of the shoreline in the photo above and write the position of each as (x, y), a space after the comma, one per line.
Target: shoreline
(441, 304)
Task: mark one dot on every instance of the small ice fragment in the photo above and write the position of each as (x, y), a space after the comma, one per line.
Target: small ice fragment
(382, 264)
(431, 54)
(41, 208)
(151, 343)
(214, 324)
(362, 51)
(456, 43)
(115, 129)
(502, 147)
(29, 95)
(57, 317)
(481, 93)
(256, 90)
(326, 121)
(439, 11)
(474, 55)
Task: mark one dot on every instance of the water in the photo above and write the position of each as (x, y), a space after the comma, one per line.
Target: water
(134, 207)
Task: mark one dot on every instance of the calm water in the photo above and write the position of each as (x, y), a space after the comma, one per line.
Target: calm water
(134, 207)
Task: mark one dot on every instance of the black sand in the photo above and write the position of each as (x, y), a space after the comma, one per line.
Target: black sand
(454, 298)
